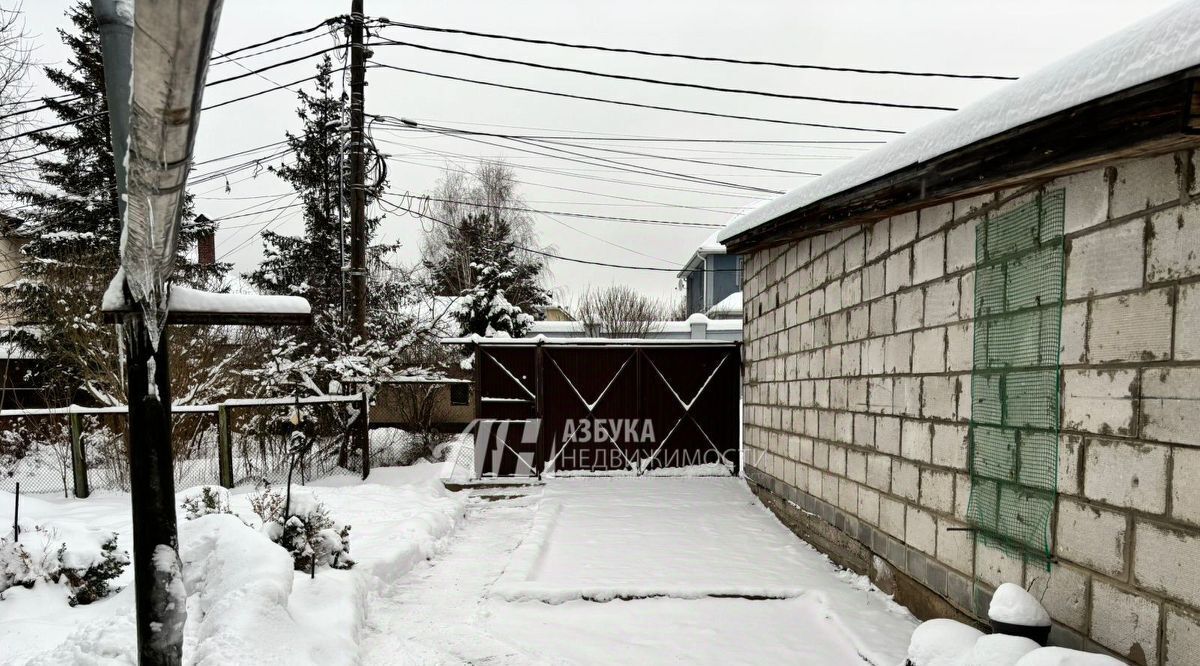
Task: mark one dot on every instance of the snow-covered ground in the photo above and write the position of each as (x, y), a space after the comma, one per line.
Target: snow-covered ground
(583, 570)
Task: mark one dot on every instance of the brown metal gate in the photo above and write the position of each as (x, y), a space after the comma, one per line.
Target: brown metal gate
(568, 406)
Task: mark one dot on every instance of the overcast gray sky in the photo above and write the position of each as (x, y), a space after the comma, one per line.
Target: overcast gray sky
(1014, 37)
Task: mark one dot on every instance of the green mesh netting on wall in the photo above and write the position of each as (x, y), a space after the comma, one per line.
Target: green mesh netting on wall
(1014, 380)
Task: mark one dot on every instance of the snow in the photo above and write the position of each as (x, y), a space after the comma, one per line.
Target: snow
(1013, 605)
(479, 339)
(663, 331)
(1162, 44)
(1000, 650)
(1057, 656)
(942, 642)
(730, 306)
(245, 602)
(446, 578)
(600, 539)
(188, 300)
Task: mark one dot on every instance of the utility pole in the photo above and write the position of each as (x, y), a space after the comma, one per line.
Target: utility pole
(358, 168)
(358, 212)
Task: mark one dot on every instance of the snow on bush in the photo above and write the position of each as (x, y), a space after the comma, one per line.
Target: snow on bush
(303, 526)
(39, 555)
(942, 642)
(203, 501)
(1011, 604)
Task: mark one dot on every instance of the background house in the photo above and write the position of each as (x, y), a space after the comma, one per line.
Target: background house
(971, 354)
(710, 275)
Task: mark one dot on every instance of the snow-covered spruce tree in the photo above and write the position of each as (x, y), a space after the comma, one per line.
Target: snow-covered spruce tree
(310, 265)
(73, 229)
(502, 288)
(325, 358)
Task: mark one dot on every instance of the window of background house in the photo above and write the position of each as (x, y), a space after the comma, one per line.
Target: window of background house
(460, 394)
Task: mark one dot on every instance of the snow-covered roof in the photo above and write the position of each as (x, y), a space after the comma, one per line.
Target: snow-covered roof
(541, 339)
(730, 306)
(710, 246)
(1163, 44)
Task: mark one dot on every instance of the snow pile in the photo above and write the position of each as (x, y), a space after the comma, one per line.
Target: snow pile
(1011, 604)
(245, 602)
(1000, 650)
(942, 643)
(1057, 656)
(238, 584)
(949, 643)
(1162, 44)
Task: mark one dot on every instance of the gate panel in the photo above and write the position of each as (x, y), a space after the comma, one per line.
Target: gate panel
(690, 394)
(590, 402)
(506, 405)
(606, 407)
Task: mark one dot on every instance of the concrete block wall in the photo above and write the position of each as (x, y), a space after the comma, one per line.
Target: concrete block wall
(858, 350)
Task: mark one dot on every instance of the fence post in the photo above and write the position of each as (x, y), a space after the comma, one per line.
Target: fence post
(365, 434)
(78, 463)
(224, 447)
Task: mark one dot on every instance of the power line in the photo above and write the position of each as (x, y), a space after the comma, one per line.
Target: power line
(661, 54)
(329, 21)
(560, 257)
(624, 166)
(588, 216)
(663, 82)
(655, 107)
(512, 137)
(639, 203)
(610, 136)
(282, 63)
(574, 174)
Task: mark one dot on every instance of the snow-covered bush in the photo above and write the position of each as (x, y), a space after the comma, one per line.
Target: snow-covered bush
(32, 559)
(304, 527)
(207, 500)
(88, 585)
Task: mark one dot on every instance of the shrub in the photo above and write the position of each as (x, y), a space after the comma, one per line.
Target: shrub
(21, 566)
(208, 501)
(307, 531)
(93, 583)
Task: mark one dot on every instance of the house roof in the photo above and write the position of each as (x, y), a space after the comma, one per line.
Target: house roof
(710, 246)
(1163, 48)
(729, 307)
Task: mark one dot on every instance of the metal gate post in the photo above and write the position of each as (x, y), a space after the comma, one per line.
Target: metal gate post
(78, 462)
(364, 432)
(641, 404)
(539, 404)
(224, 446)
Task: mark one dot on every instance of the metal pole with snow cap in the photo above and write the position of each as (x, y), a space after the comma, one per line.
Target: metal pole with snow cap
(156, 57)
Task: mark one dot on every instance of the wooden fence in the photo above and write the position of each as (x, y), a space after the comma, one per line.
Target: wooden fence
(73, 464)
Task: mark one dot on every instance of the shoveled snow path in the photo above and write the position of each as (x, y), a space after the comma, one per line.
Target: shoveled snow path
(669, 539)
(438, 612)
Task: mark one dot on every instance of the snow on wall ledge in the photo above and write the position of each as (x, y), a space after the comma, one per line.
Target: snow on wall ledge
(1162, 44)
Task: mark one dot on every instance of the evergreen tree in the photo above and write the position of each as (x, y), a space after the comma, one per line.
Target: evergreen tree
(310, 265)
(503, 290)
(72, 229)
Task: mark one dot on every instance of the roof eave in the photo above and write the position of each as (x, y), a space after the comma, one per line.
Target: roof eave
(1158, 116)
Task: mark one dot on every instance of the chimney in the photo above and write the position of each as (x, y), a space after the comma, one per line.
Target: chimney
(206, 243)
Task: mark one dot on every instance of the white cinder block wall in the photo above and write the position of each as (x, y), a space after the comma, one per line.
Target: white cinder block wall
(858, 346)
